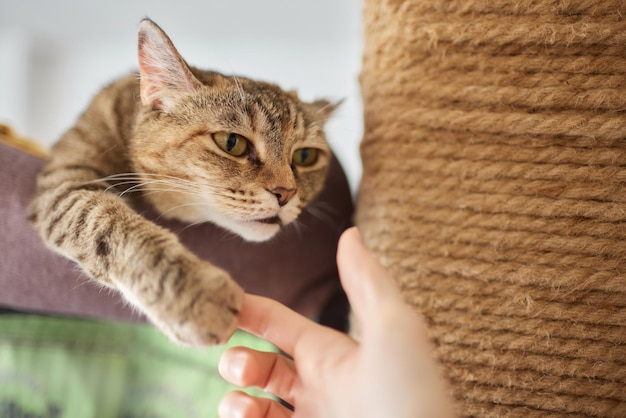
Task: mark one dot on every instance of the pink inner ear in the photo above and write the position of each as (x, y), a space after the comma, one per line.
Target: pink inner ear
(164, 74)
(147, 83)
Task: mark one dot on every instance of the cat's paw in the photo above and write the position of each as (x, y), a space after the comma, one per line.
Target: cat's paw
(205, 311)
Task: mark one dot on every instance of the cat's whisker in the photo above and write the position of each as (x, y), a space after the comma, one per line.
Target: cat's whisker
(178, 181)
(324, 206)
(239, 88)
(191, 225)
(193, 189)
(124, 176)
(135, 188)
(165, 177)
(163, 186)
(323, 211)
(142, 177)
(184, 205)
(225, 236)
(195, 193)
(156, 191)
(299, 228)
(176, 186)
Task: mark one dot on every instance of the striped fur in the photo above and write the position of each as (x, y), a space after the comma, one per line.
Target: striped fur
(149, 140)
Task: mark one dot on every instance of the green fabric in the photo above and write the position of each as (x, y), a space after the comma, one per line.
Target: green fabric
(59, 367)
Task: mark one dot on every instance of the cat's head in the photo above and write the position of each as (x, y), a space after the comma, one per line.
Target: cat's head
(242, 154)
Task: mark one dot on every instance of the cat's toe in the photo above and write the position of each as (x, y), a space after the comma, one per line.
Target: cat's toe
(201, 333)
(205, 313)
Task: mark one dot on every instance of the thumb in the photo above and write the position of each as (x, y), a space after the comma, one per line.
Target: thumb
(368, 285)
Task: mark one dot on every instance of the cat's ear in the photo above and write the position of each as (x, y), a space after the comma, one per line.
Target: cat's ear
(324, 109)
(164, 74)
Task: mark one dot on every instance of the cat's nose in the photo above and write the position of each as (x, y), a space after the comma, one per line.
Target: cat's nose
(283, 195)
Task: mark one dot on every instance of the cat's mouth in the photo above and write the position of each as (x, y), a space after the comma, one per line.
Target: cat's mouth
(274, 220)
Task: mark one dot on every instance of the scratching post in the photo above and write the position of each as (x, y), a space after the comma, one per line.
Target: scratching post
(494, 189)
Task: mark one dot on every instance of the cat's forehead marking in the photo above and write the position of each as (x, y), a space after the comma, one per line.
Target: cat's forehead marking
(274, 120)
(274, 116)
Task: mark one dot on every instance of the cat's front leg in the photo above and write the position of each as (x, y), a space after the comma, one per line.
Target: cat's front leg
(193, 302)
(190, 300)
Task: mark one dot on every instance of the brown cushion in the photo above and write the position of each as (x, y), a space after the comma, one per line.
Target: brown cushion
(296, 268)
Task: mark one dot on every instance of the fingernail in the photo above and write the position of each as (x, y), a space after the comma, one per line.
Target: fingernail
(232, 406)
(231, 367)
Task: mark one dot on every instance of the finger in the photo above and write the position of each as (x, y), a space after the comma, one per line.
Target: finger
(271, 372)
(374, 296)
(281, 326)
(240, 405)
(366, 282)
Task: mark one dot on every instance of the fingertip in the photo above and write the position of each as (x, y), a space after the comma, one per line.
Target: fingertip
(235, 404)
(366, 281)
(353, 231)
(349, 237)
(350, 252)
(232, 366)
(238, 404)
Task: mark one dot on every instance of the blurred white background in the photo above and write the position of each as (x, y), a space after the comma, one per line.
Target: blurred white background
(55, 55)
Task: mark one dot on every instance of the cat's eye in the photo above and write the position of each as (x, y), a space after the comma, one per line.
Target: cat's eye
(305, 157)
(231, 143)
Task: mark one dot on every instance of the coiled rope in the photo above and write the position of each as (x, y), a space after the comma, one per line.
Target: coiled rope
(494, 188)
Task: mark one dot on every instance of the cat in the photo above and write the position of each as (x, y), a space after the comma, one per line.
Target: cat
(198, 146)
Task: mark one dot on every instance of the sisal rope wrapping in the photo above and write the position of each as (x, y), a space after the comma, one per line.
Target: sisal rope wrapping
(494, 189)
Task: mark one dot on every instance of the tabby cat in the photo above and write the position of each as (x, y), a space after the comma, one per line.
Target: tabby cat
(197, 146)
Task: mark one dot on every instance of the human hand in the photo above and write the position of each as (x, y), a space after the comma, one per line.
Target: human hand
(390, 372)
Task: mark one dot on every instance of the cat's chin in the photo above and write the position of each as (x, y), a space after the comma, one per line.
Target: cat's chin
(250, 230)
(256, 231)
